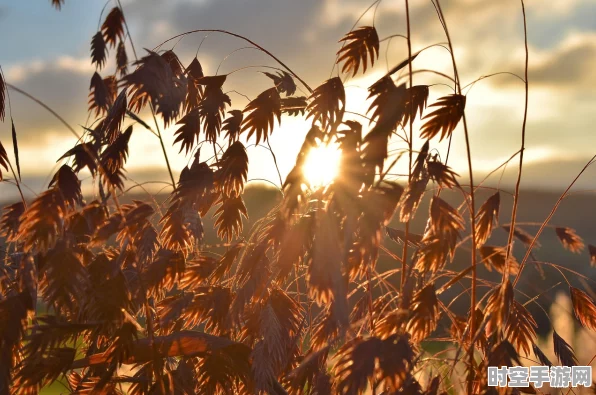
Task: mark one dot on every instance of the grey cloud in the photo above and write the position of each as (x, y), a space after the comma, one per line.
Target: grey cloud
(64, 91)
(571, 66)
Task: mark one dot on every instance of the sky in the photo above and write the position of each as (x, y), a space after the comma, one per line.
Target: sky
(46, 53)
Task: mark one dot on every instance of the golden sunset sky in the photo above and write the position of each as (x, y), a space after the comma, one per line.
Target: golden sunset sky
(46, 53)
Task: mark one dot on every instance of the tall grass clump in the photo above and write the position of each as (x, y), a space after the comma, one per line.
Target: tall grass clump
(111, 295)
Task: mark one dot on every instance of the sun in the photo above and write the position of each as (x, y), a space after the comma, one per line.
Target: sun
(321, 166)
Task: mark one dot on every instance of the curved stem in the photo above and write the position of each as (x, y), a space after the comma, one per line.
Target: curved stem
(51, 111)
(281, 183)
(404, 258)
(18, 180)
(247, 40)
(521, 153)
(163, 147)
(393, 36)
(230, 54)
(546, 221)
(493, 75)
(472, 206)
(352, 28)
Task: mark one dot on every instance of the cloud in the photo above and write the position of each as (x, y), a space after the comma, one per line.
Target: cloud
(570, 64)
(61, 83)
(22, 71)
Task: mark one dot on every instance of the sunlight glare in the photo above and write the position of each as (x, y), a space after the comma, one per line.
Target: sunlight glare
(322, 165)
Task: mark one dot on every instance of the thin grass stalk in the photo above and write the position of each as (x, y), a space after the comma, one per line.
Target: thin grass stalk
(150, 333)
(404, 258)
(17, 180)
(163, 147)
(70, 128)
(521, 152)
(282, 64)
(470, 383)
(281, 183)
(546, 221)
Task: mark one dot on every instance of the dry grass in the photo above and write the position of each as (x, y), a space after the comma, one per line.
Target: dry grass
(298, 306)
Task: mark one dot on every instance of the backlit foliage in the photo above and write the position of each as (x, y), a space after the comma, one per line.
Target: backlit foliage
(296, 304)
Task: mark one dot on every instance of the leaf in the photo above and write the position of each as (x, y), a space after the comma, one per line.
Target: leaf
(444, 119)
(487, 217)
(2, 97)
(164, 272)
(227, 260)
(498, 307)
(84, 156)
(411, 199)
(155, 81)
(211, 111)
(65, 278)
(42, 222)
(283, 82)
(232, 125)
(121, 59)
(175, 64)
(446, 222)
(356, 363)
(327, 102)
(293, 106)
(310, 370)
(99, 50)
(563, 351)
(15, 147)
(433, 254)
(359, 45)
(416, 99)
(9, 225)
(403, 64)
(198, 271)
(494, 257)
(263, 111)
(38, 371)
(325, 278)
(212, 81)
(3, 160)
(194, 91)
(57, 4)
(503, 354)
(541, 357)
(113, 158)
(229, 217)
(521, 328)
(233, 171)
(441, 174)
(103, 93)
(114, 118)
(224, 369)
(207, 304)
(570, 239)
(188, 133)
(176, 233)
(113, 26)
(414, 240)
(388, 101)
(584, 308)
(424, 313)
(522, 236)
(179, 344)
(69, 185)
